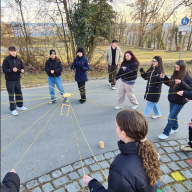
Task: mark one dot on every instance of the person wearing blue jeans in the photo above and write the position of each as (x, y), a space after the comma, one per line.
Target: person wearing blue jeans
(53, 68)
(153, 88)
(180, 80)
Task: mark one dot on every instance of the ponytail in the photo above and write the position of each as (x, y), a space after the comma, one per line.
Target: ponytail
(150, 161)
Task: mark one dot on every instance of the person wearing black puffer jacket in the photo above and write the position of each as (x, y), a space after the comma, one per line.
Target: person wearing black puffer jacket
(187, 95)
(12, 67)
(53, 68)
(153, 89)
(128, 75)
(11, 182)
(137, 167)
(180, 80)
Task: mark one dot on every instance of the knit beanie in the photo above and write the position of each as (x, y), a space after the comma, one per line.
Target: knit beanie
(52, 52)
(157, 58)
(80, 50)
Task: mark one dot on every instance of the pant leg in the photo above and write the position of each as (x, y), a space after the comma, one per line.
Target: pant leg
(59, 84)
(172, 123)
(148, 109)
(51, 82)
(121, 94)
(115, 68)
(156, 109)
(18, 93)
(82, 90)
(130, 95)
(11, 92)
(190, 136)
(110, 69)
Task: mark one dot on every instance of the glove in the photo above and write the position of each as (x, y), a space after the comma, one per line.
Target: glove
(141, 70)
(81, 66)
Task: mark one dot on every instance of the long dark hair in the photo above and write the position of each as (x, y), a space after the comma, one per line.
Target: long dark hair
(179, 74)
(160, 68)
(133, 58)
(135, 125)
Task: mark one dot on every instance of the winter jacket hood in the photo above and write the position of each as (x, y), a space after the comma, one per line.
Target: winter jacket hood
(185, 85)
(53, 65)
(130, 73)
(154, 84)
(8, 64)
(126, 172)
(82, 66)
(10, 183)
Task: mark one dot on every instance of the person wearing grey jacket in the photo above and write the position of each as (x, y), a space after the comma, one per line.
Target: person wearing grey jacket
(113, 57)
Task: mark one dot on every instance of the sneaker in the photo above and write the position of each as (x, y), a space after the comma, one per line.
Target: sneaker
(82, 101)
(118, 107)
(134, 106)
(156, 116)
(186, 148)
(22, 108)
(163, 136)
(173, 131)
(110, 84)
(66, 100)
(14, 112)
(113, 88)
(51, 102)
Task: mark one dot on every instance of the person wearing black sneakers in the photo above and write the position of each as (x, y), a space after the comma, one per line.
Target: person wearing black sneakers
(187, 95)
(11, 182)
(81, 65)
(12, 67)
(53, 67)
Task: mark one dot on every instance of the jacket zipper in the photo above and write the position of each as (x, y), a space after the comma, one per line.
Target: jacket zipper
(15, 66)
(149, 83)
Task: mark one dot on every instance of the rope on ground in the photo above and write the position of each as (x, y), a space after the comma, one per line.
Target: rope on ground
(77, 141)
(87, 142)
(27, 129)
(59, 103)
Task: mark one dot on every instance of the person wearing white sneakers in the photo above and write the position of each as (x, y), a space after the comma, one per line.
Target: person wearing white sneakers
(153, 89)
(180, 80)
(113, 57)
(12, 67)
(128, 75)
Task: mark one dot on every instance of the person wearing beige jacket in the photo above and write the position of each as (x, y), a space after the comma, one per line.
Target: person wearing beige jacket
(113, 57)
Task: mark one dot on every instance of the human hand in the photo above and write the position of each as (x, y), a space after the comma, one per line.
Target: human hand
(22, 70)
(14, 69)
(86, 179)
(115, 80)
(12, 171)
(180, 93)
(107, 178)
(190, 124)
(162, 75)
(177, 81)
(187, 99)
(123, 68)
(52, 71)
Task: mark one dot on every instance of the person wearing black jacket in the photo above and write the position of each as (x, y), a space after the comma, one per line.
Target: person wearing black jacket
(187, 95)
(180, 80)
(137, 167)
(128, 75)
(12, 67)
(11, 182)
(153, 89)
(53, 68)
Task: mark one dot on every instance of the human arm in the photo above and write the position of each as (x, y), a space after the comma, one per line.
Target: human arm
(106, 56)
(165, 79)
(22, 67)
(120, 57)
(185, 94)
(59, 68)
(86, 67)
(5, 67)
(184, 85)
(143, 74)
(12, 182)
(73, 65)
(47, 69)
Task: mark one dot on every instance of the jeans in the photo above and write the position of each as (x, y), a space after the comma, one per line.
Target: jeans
(172, 119)
(190, 136)
(14, 90)
(150, 106)
(52, 81)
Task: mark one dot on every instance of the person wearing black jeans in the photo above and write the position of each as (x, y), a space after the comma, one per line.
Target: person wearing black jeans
(187, 95)
(11, 182)
(12, 67)
(81, 65)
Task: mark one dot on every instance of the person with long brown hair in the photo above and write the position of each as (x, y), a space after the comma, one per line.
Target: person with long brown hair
(180, 80)
(153, 89)
(53, 68)
(128, 75)
(137, 167)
